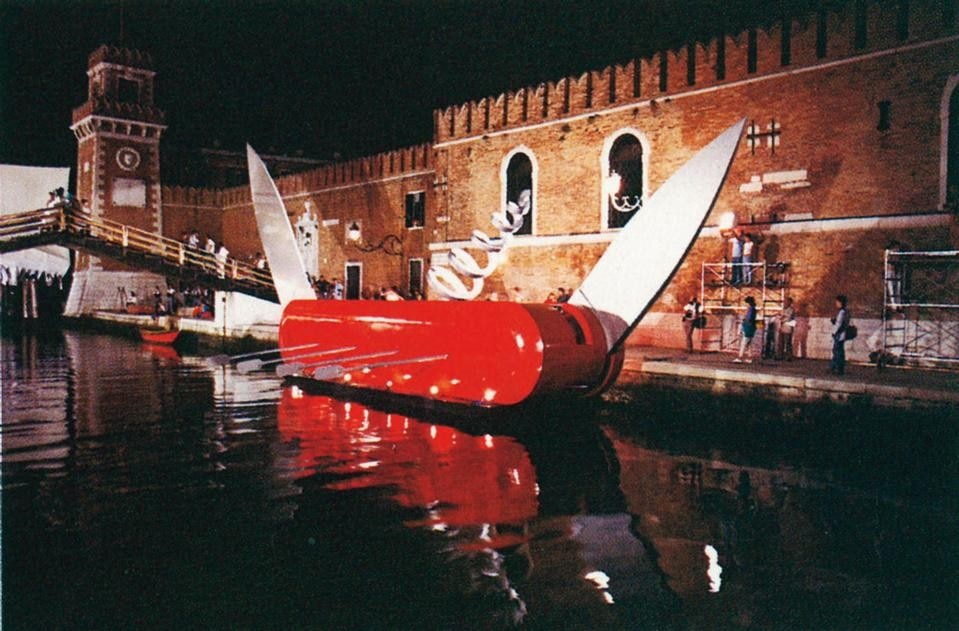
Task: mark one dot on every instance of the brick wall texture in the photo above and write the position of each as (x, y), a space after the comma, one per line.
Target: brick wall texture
(822, 91)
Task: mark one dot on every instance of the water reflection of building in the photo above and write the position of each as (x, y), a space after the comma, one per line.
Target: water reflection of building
(737, 543)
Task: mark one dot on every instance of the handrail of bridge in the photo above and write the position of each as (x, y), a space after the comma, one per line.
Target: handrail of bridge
(70, 220)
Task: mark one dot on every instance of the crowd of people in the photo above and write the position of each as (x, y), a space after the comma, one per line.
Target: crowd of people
(31, 295)
(783, 332)
(183, 301)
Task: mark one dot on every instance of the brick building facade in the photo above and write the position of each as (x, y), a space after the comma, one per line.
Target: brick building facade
(847, 147)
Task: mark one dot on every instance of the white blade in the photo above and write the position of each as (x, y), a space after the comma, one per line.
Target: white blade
(642, 259)
(276, 233)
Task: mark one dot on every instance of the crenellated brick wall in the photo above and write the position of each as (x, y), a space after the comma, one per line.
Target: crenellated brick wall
(834, 33)
(825, 192)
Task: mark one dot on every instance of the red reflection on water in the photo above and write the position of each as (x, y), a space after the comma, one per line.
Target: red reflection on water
(457, 478)
(163, 351)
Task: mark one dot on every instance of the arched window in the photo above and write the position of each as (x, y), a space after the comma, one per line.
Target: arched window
(519, 178)
(623, 179)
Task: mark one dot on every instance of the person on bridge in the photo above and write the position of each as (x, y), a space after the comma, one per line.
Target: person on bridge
(221, 256)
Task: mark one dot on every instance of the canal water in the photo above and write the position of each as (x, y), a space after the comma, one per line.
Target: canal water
(145, 489)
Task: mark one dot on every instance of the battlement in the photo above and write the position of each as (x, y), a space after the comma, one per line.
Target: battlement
(388, 164)
(120, 56)
(104, 106)
(856, 28)
(192, 196)
(378, 166)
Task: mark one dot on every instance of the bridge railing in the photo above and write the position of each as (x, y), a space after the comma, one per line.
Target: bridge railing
(65, 219)
(31, 223)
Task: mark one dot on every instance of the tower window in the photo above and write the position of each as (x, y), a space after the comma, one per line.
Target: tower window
(751, 51)
(626, 161)
(519, 178)
(415, 209)
(128, 90)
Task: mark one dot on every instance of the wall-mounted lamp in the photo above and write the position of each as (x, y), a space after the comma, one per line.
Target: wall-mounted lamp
(727, 221)
(623, 203)
(391, 244)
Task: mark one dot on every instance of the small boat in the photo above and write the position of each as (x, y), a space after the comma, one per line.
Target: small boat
(159, 336)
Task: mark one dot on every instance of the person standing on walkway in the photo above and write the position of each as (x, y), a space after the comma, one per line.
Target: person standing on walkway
(748, 331)
(691, 314)
(840, 322)
(787, 323)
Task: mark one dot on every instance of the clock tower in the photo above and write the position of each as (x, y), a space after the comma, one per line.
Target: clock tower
(118, 132)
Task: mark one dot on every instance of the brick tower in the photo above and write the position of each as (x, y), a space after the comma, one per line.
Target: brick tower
(118, 132)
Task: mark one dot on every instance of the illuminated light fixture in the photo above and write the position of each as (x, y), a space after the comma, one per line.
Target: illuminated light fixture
(389, 384)
(727, 221)
(432, 431)
(407, 376)
(391, 244)
(455, 382)
(366, 370)
(623, 203)
(489, 394)
(488, 441)
(296, 393)
(520, 342)
(347, 377)
(601, 580)
(434, 390)
(715, 570)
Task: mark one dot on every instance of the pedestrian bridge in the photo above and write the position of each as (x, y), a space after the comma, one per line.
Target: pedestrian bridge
(72, 228)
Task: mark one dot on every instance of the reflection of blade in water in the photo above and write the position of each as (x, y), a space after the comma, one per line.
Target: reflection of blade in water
(296, 368)
(641, 260)
(222, 360)
(456, 479)
(328, 372)
(276, 233)
(250, 365)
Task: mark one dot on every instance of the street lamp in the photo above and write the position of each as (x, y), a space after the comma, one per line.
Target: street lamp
(622, 203)
(391, 244)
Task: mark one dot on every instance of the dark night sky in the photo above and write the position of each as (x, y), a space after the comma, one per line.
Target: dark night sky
(353, 77)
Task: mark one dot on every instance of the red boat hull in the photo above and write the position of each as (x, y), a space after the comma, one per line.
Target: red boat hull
(159, 337)
(491, 353)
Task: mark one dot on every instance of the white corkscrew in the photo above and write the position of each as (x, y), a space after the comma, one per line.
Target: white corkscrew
(447, 284)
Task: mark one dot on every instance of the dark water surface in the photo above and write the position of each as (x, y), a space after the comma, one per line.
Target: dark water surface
(142, 489)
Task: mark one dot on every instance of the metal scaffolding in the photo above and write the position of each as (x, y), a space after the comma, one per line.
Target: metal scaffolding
(920, 323)
(721, 298)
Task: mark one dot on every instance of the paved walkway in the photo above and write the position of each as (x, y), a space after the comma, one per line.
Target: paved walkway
(807, 379)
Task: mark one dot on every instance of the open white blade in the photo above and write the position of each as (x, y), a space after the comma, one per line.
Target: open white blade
(276, 233)
(643, 257)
